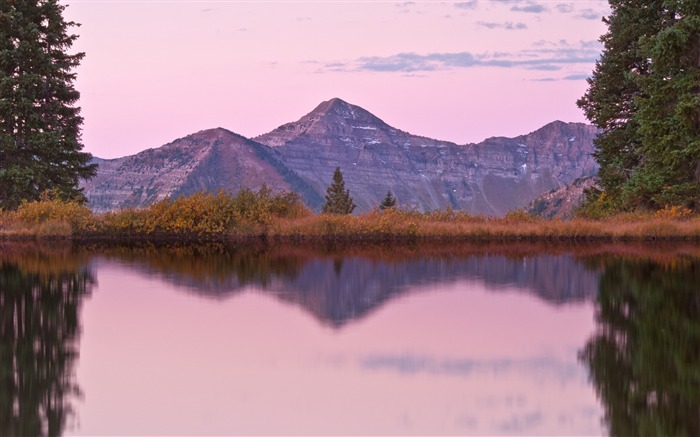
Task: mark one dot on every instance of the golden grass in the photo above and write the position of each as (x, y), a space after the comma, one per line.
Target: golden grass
(265, 215)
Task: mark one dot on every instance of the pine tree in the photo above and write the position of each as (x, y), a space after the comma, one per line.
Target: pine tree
(645, 96)
(388, 202)
(338, 200)
(669, 110)
(40, 148)
(610, 101)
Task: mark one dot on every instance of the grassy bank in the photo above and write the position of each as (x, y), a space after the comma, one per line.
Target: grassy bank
(281, 216)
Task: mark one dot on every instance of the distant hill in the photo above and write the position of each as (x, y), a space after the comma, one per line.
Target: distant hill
(491, 177)
(561, 202)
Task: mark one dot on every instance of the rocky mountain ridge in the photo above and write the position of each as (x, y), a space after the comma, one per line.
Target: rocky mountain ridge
(491, 177)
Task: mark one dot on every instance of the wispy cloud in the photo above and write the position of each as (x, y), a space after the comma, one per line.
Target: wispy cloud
(589, 14)
(508, 25)
(471, 4)
(578, 76)
(544, 56)
(405, 7)
(528, 7)
(583, 76)
(564, 8)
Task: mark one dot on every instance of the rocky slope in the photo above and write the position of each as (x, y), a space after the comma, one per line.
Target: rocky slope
(209, 160)
(492, 177)
(562, 202)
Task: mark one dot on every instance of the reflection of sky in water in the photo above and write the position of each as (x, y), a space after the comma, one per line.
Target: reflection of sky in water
(450, 358)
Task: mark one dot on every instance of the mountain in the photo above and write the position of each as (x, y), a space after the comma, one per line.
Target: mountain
(491, 177)
(562, 202)
(208, 160)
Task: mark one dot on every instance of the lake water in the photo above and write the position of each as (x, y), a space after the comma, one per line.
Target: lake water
(442, 339)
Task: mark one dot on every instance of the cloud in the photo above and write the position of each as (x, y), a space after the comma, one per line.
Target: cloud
(544, 58)
(545, 67)
(589, 14)
(507, 25)
(564, 8)
(576, 77)
(529, 7)
(405, 7)
(471, 4)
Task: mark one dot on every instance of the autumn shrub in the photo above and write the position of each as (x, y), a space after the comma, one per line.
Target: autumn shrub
(519, 216)
(46, 214)
(598, 206)
(674, 212)
(207, 214)
(200, 214)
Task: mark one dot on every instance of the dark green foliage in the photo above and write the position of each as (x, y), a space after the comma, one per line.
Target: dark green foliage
(669, 110)
(40, 147)
(644, 97)
(388, 202)
(338, 200)
(609, 101)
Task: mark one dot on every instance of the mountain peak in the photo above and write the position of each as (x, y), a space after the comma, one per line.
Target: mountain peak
(336, 107)
(330, 105)
(334, 116)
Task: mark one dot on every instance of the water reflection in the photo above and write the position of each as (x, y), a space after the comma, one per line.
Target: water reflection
(645, 359)
(40, 297)
(340, 284)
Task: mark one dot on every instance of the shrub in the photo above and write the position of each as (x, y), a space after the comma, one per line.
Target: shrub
(519, 216)
(674, 213)
(77, 216)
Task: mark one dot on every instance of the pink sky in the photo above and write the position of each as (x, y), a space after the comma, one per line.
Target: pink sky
(460, 71)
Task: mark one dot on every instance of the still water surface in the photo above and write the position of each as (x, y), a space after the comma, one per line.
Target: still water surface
(447, 340)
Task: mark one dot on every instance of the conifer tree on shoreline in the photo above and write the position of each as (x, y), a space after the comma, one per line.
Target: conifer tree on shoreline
(40, 148)
(644, 95)
(388, 202)
(338, 200)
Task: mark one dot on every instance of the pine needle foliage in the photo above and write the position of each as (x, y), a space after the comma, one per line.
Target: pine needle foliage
(40, 148)
(338, 200)
(388, 202)
(644, 95)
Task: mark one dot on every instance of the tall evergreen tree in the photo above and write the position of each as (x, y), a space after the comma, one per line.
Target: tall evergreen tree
(388, 202)
(669, 109)
(610, 101)
(338, 200)
(40, 146)
(644, 95)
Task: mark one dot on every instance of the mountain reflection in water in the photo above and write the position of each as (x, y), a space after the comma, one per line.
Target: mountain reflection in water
(643, 359)
(338, 285)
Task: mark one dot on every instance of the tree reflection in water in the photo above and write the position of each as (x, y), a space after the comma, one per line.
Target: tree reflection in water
(40, 297)
(645, 358)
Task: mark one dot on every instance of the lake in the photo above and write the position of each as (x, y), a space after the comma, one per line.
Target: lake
(426, 339)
